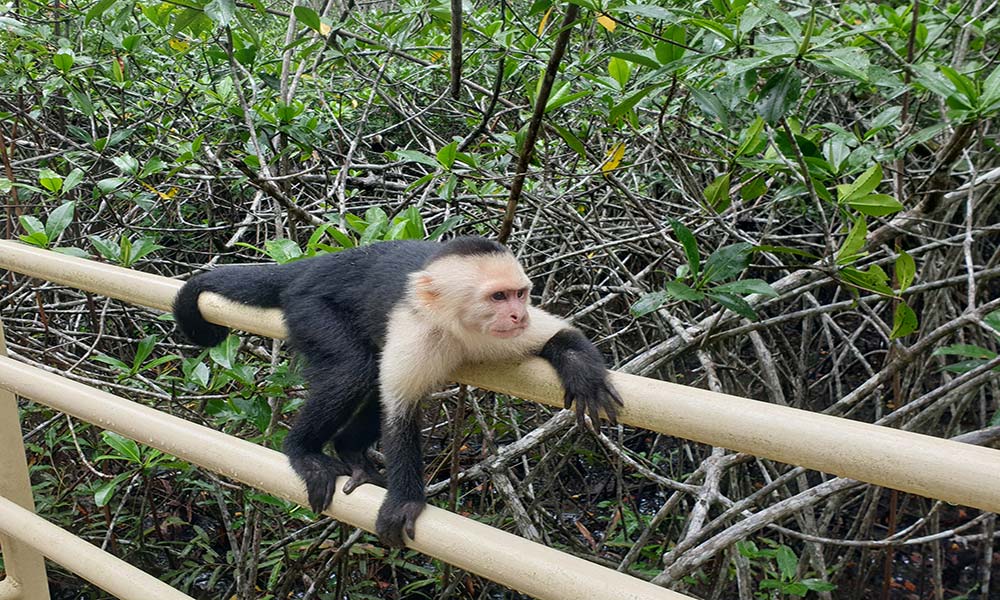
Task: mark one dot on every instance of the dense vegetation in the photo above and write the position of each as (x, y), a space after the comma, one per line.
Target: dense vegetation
(787, 201)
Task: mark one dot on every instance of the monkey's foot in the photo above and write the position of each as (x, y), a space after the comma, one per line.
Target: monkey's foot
(362, 474)
(319, 472)
(396, 517)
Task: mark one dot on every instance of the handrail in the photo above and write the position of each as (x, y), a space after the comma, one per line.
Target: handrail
(111, 573)
(911, 462)
(503, 557)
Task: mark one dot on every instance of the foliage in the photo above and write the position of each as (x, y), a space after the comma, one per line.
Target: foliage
(819, 176)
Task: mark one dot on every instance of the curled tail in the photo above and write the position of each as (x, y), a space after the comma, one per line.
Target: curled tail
(256, 285)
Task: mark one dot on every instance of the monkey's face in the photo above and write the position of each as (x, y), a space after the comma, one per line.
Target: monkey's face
(509, 312)
(480, 294)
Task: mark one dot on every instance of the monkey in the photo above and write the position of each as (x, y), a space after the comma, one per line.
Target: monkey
(380, 327)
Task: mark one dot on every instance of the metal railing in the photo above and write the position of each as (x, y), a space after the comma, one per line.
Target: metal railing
(911, 462)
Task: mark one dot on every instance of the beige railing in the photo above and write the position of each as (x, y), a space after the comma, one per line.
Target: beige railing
(920, 464)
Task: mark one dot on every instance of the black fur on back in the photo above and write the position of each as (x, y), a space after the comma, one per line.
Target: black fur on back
(357, 287)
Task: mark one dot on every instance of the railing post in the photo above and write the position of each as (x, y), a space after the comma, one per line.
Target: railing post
(25, 568)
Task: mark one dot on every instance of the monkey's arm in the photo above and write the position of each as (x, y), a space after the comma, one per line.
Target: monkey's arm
(578, 363)
(413, 363)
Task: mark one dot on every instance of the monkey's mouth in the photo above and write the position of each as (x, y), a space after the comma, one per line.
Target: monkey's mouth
(508, 333)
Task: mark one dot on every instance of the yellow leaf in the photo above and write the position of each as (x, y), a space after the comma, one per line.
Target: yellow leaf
(545, 19)
(436, 56)
(607, 22)
(179, 45)
(614, 158)
(325, 29)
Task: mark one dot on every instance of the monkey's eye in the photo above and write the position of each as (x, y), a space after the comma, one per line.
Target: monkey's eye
(498, 296)
(521, 293)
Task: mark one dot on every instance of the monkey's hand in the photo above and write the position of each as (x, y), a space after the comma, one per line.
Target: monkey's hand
(319, 472)
(584, 377)
(396, 517)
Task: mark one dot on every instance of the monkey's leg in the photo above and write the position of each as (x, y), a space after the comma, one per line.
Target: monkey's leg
(353, 441)
(404, 470)
(338, 385)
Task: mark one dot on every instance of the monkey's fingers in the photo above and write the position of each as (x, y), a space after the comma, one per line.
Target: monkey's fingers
(613, 392)
(321, 493)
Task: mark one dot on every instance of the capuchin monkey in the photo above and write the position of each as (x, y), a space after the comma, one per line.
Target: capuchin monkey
(381, 327)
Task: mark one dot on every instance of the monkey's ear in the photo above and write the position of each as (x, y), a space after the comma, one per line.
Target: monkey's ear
(424, 288)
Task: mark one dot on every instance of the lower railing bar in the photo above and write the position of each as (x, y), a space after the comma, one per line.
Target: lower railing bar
(104, 570)
(515, 562)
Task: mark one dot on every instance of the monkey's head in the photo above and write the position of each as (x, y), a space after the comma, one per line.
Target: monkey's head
(483, 291)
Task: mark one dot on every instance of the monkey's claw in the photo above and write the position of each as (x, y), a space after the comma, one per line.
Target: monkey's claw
(397, 517)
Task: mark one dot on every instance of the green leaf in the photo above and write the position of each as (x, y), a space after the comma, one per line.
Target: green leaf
(650, 11)
(59, 219)
(904, 321)
(991, 90)
(965, 350)
(788, 563)
(778, 95)
(620, 71)
(72, 180)
(681, 291)
(142, 247)
(853, 244)
(873, 280)
(648, 303)
(142, 352)
(125, 447)
(282, 250)
(862, 186)
(640, 59)
(63, 60)
(571, 140)
(446, 226)
(309, 17)
(734, 303)
(752, 140)
(50, 180)
(104, 493)
(728, 261)
(154, 165)
(667, 52)
(108, 249)
(876, 205)
(625, 106)
(906, 269)
(31, 224)
(747, 286)
(446, 155)
(963, 85)
(717, 193)
(97, 10)
(710, 105)
(690, 244)
(417, 156)
(224, 354)
(221, 11)
(992, 320)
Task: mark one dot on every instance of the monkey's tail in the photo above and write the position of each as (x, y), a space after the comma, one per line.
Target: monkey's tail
(256, 285)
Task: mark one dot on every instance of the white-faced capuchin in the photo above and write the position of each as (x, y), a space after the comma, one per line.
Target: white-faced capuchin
(381, 327)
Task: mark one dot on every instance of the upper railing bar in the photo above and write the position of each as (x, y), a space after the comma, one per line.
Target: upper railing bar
(911, 462)
(510, 560)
